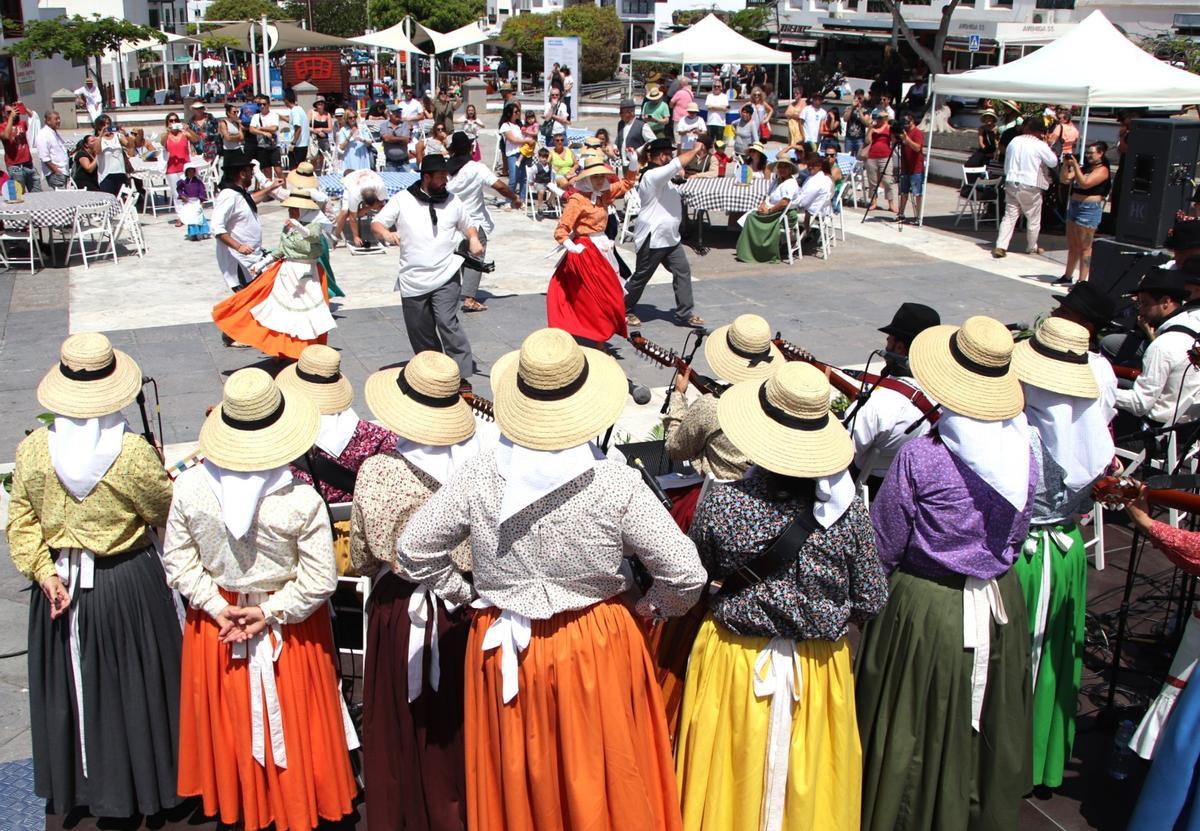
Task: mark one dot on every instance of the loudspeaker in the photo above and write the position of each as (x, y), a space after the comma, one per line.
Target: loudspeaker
(1158, 178)
(1118, 267)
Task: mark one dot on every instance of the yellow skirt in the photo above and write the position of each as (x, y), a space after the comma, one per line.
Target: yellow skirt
(721, 755)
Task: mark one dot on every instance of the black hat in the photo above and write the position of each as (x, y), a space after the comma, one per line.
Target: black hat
(1087, 301)
(910, 320)
(1164, 281)
(659, 145)
(434, 163)
(1184, 234)
(460, 144)
(237, 159)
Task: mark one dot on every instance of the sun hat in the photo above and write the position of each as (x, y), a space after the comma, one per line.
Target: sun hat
(257, 425)
(784, 160)
(988, 113)
(197, 105)
(1089, 302)
(910, 320)
(693, 107)
(719, 143)
(653, 93)
(594, 166)
(742, 350)
(91, 380)
(553, 394)
(783, 424)
(420, 400)
(969, 368)
(303, 177)
(318, 377)
(758, 147)
(593, 141)
(1010, 104)
(299, 198)
(340, 111)
(1056, 359)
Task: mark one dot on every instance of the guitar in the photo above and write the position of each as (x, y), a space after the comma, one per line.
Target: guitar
(671, 359)
(1116, 491)
(482, 407)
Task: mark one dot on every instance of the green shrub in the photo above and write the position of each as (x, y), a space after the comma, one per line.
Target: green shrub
(598, 29)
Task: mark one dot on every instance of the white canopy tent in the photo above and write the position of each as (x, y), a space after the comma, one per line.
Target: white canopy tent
(1093, 64)
(394, 38)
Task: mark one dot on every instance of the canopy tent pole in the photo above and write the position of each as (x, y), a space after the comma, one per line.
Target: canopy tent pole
(253, 60)
(929, 146)
(433, 75)
(406, 25)
(1087, 111)
(266, 60)
(399, 93)
(520, 70)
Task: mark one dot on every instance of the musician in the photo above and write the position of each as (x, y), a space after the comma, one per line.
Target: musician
(1092, 309)
(740, 351)
(1068, 432)
(880, 424)
(1164, 393)
(345, 441)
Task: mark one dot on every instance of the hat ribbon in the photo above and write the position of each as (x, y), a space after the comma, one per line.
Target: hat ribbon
(422, 398)
(254, 423)
(554, 393)
(313, 378)
(88, 374)
(1057, 354)
(755, 358)
(972, 365)
(781, 416)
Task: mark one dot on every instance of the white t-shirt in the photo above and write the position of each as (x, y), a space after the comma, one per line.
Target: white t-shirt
(261, 120)
(816, 194)
(879, 430)
(509, 128)
(355, 182)
(111, 158)
(428, 258)
(716, 99)
(468, 185)
(413, 109)
(687, 130)
(813, 118)
(787, 189)
(92, 98)
(562, 111)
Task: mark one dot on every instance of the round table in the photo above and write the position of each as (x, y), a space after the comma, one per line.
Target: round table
(56, 208)
(723, 194)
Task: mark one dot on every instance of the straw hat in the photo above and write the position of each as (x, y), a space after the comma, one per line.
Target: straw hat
(758, 146)
(554, 394)
(988, 113)
(783, 160)
(92, 379)
(303, 177)
(693, 107)
(318, 377)
(258, 426)
(742, 350)
(969, 369)
(420, 400)
(593, 166)
(299, 198)
(1056, 359)
(783, 423)
(653, 93)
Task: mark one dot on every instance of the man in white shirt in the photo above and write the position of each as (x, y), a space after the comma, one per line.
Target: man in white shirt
(557, 114)
(717, 105)
(1166, 391)
(213, 88)
(429, 222)
(413, 110)
(298, 121)
(880, 424)
(264, 125)
(1027, 163)
(52, 151)
(467, 181)
(656, 233)
(90, 96)
(812, 117)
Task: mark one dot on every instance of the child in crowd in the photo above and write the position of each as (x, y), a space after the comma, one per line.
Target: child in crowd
(542, 177)
(189, 204)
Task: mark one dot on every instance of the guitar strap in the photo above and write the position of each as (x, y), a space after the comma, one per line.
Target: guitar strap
(913, 395)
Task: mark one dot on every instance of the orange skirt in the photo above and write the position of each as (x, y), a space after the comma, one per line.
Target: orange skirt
(584, 744)
(232, 316)
(215, 757)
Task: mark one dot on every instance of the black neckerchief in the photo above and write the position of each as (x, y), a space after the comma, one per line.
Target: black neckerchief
(228, 185)
(424, 198)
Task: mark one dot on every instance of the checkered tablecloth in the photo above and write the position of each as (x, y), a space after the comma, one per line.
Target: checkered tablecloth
(331, 183)
(723, 194)
(56, 208)
(141, 167)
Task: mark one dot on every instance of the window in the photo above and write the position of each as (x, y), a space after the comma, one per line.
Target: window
(10, 10)
(1055, 4)
(1001, 4)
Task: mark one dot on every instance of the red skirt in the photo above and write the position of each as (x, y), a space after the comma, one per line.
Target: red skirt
(585, 297)
(216, 761)
(232, 316)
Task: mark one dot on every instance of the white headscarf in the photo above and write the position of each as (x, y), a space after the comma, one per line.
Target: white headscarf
(997, 451)
(83, 449)
(584, 186)
(239, 493)
(834, 495)
(440, 461)
(337, 429)
(531, 474)
(1073, 431)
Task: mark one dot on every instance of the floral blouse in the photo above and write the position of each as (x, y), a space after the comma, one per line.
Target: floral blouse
(835, 579)
(368, 439)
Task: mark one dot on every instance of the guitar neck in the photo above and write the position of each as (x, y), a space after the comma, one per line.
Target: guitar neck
(1175, 500)
(837, 380)
(482, 406)
(670, 359)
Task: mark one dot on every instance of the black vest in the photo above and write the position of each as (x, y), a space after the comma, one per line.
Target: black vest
(635, 129)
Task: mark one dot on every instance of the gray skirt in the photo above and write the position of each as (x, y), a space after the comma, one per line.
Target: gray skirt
(129, 643)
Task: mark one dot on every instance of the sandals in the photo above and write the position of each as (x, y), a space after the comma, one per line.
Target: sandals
(473, 305)
(694, 320)
(632, 320)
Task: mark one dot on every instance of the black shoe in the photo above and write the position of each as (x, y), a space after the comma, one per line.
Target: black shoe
(1064, 280)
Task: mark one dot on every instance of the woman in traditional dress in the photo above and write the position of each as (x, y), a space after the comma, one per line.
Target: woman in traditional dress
(942, 677)
(305, 177)
(345, 441)
(1068, 432)
(585, 296)
(287, 306)
(564, 721)
(104, 634)
(416, 642)
(769, 690)
(263, 734)
(758, 241)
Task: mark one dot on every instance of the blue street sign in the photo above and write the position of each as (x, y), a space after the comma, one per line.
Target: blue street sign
(973, 43)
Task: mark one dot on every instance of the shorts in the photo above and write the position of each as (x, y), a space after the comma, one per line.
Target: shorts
(268, 157)
(913, 183)
(1085, 214)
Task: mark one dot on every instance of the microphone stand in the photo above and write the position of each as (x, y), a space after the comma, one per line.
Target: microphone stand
(864, 392)
(688, 357)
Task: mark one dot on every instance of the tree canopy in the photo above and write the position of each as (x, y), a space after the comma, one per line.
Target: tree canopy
(341, 18)
(79, 38)
(247, 10)
(1182, 52)
(439, 15)
(598, 29)
(750, 22)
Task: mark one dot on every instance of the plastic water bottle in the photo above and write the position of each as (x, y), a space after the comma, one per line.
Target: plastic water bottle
(1119, 756)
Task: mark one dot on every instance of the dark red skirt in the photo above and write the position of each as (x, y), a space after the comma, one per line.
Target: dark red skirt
(413, 759)
(585, 297)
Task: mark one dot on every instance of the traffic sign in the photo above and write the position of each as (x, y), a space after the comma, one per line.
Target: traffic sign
(973, 43)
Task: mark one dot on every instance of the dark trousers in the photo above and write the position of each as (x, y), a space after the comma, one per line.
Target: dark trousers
(432, 323)
(676, 261)
(297, 155)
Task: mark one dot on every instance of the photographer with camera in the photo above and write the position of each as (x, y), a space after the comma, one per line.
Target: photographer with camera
(911, 141)
(879, 150)
(15, 138)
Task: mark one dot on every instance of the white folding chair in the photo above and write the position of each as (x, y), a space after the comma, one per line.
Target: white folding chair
(92, 223)
(633, 205)
(827, 233)
(156, 186)
(129, 224)
(793, 235)
(839, 209)
(19, 228)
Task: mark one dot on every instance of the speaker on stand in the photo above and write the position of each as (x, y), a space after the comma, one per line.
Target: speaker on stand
(1158, 180)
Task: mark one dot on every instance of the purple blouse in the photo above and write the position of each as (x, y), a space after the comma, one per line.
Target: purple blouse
(934, 516)
(368, 439)
(191, 188)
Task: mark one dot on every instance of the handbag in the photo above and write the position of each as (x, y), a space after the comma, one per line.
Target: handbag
(764, 130)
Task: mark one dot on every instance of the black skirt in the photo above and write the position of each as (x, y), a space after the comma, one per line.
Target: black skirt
(130, 642)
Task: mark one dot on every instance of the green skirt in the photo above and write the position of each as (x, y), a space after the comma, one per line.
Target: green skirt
(759, 240)
(1059, 662)
(924, 767)
(334, 291)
